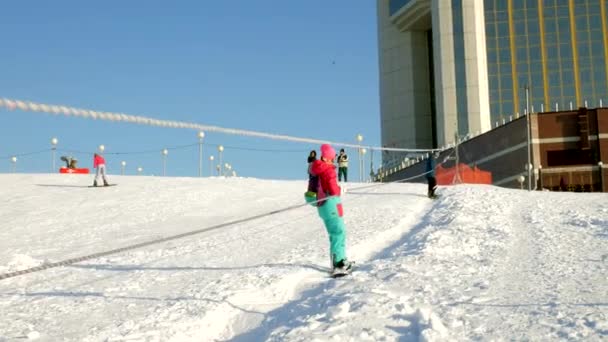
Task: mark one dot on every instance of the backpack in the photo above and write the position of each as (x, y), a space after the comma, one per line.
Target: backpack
(314, 190)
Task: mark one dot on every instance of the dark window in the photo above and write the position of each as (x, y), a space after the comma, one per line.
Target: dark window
(569, 157)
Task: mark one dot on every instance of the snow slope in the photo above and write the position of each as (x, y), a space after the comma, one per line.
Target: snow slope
(479, 263)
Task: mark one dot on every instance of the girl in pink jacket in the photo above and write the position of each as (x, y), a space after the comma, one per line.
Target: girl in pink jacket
(100, 164)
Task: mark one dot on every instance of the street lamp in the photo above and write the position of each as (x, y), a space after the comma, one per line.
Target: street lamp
(359, 140)
(54, 142)
(220, 149)
(102, 148)
(200, 135)
(601, 165)
(211, 165)
(139, 170)
(122, 169)
(226, 168)
(521, 180)
(363, 152)
(165, 152)
(14, 164)
(233, 173)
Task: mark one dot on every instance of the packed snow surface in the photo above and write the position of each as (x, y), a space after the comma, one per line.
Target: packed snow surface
(479, 263)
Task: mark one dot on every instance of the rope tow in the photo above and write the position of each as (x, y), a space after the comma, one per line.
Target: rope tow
(27, 106)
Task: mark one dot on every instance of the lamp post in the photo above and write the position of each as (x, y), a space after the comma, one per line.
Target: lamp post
(122, 168)
(359, 140)
(233, 173)
(200, 135)
(13, 164)
(220, 149)
(540, 177)
(218, 167)
(521, 180)
(54, 142)
(211, 165)
(101, 148)
(363, 152)
(165, 152)
(528, 135)
(139, 170)
(226, 168)
(601, 166)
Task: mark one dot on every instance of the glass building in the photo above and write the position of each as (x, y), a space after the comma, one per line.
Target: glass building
(454, 67)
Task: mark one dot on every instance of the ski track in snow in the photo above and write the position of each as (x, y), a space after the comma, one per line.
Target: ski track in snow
(479, 263)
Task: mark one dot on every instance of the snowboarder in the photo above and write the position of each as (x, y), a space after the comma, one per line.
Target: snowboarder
(330, 209)
(342, 166)
(430, 176)
(313, 181)
(100, 164)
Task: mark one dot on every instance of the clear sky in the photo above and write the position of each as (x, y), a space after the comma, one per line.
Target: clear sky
(302, 68)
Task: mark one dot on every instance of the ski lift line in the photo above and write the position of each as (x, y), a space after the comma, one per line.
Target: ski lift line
(12, 104)
(25, 154)
(71, 261)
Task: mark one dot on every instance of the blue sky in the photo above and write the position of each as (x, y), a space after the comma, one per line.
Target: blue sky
(302, 68)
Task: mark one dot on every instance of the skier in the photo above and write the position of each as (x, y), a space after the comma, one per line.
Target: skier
(330, 210)
(430, 176)
(342, 166)
(100, 164)
(313, 181)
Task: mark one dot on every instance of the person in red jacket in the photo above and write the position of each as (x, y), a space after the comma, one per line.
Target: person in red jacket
(100, 164)
(330, 209)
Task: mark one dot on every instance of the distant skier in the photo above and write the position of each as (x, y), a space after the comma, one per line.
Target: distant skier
(342, 166)
(330, 209)
(100, 164)
(430, 176)
(313, 181)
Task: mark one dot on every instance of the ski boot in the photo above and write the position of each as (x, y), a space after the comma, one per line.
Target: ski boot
(342, 268)
(95, 183)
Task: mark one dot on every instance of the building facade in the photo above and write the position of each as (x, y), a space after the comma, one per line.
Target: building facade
(456, 67)
(567, 152)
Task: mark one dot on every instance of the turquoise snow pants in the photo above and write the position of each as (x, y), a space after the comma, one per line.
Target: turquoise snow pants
(331, 212)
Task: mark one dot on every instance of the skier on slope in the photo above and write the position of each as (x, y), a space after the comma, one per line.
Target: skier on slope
(430, 176)
(100, 164)
(330, 209)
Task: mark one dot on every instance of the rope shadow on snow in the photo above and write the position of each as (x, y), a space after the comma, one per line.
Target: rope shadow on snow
(62, 186)
(128, 268)
(76, 294)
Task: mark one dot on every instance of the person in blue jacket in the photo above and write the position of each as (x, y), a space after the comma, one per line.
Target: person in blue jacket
(430, 176)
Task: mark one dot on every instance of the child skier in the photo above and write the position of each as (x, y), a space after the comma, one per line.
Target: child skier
(100, 164)
(330, 209)
(313, 181)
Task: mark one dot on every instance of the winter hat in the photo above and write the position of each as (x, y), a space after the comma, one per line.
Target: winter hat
(328, 152)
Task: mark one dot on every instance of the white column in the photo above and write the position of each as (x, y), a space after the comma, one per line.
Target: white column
(445, 78)
(476, 65)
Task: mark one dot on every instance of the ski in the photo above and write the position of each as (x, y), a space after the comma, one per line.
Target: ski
(101, 186)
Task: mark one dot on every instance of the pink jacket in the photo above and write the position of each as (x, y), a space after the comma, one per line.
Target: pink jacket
(98, 160)
(327, 177)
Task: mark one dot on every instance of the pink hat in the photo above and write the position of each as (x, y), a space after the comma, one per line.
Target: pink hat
(328, 152)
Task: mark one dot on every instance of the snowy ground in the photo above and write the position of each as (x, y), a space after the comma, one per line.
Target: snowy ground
(480, 263)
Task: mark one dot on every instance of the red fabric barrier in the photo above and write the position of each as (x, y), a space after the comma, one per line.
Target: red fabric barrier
(467, 175)
(66, 170)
